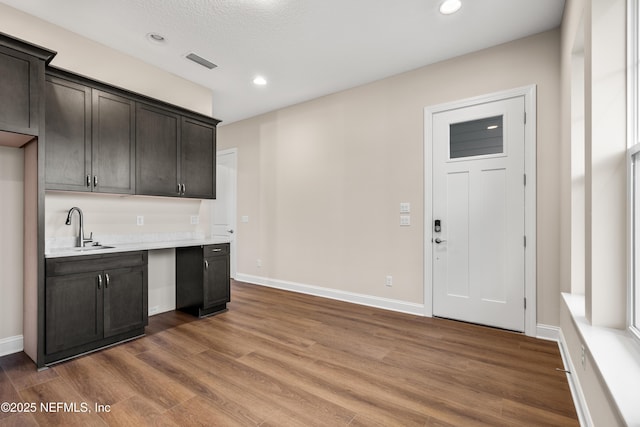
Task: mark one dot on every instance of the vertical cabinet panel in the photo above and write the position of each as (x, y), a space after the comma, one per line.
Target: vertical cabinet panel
(113, 143)
(216, 281)
(198, 159)
(68, 124)
(20, 86)
(15, 89)
(157, 155)
(125, 300)
(73, 311)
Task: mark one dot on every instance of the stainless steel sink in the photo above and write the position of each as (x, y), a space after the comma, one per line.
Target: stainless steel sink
(93, 248)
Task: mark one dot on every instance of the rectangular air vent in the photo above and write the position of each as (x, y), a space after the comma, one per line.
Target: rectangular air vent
(201, 61)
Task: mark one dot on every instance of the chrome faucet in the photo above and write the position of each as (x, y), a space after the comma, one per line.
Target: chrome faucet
(80, 240)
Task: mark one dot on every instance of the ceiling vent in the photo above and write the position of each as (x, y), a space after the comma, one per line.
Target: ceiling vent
(201, 61)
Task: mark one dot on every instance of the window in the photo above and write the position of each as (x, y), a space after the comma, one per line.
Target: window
(634, 165)
(476, 138)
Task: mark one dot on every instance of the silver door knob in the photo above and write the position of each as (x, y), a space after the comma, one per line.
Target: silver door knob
(439, 240)
(230, 231)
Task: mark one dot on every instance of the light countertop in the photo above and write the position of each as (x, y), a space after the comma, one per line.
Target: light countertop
(129, 247)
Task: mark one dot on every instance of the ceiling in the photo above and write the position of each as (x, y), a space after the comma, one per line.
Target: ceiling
(303, 48)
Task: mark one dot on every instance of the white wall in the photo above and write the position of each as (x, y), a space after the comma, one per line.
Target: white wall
(594, 232)
(96, 61)
(322, 181)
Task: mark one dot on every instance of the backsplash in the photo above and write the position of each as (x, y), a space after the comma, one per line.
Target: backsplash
(114, 219)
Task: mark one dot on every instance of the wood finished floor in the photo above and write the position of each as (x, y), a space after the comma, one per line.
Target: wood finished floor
(284, 359)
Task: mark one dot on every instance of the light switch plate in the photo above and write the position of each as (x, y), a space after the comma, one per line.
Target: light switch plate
(405, 207)
(140, 220)
(405, 220)
(244, 218)
(195, 219)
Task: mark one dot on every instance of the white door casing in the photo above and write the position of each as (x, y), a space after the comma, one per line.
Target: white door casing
(223, 211)
(481, 271)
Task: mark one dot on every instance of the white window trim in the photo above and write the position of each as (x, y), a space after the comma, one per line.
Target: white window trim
(633, 143)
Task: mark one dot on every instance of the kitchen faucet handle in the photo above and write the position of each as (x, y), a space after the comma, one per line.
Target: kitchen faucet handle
(90, 239)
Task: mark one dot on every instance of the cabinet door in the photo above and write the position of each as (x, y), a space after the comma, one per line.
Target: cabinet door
(157, 157)
(198, 159)
(125, 300)
(216, 281)
(113, 144)
(19, 106)
(73, 311)
(68, 124)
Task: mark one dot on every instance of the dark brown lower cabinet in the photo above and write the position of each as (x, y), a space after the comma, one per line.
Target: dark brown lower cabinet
(93, 301)
(203, 279)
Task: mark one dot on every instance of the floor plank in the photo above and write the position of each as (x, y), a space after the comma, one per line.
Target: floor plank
(277, 358)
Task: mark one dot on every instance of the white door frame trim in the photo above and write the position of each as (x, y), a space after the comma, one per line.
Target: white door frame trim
(234, 202)
(529, 93)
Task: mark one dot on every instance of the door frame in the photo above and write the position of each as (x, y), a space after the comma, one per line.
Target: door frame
(233, 200)
(529, 94)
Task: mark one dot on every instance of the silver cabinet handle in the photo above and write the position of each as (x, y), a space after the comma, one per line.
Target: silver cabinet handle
(99, 281)
(184, 189)
(216, 250)
(88, 180)
(439, 240)
(206, 264)
(179, 189)
(95, 180)
(106, 275)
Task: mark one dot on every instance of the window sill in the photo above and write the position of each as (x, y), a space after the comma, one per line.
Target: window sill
(616, 355)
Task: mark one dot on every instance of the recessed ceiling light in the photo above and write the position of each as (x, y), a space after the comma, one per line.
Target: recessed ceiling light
(259, 81)
(450, 6)
(156, 38)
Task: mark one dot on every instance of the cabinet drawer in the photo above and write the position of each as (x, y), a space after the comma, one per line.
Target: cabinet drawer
(87, 263)
(219, 249)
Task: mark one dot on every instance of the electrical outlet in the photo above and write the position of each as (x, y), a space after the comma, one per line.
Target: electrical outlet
(389, 281)
(258, 263)
(154, 310)
(140, 220)
(195, 219)
(582, 357)
(244, 218)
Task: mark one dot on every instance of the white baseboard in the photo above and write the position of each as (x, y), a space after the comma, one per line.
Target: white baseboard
(574, 383)
(547, 332)
(368, 300)
(11, 345)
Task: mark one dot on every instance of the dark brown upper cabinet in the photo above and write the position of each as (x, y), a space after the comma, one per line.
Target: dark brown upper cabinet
(157, 151)
(175, 154)
(198, 159)
(105, 139)
(90, 138)
(22, 68)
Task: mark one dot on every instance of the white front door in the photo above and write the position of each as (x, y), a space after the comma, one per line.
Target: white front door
(223, 213)
(478, 251)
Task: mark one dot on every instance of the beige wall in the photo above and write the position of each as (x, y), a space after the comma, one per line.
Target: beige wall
(11, 223)
(321, 182)
(85, 57)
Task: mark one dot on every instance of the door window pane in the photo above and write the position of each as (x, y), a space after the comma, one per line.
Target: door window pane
(476, 138)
